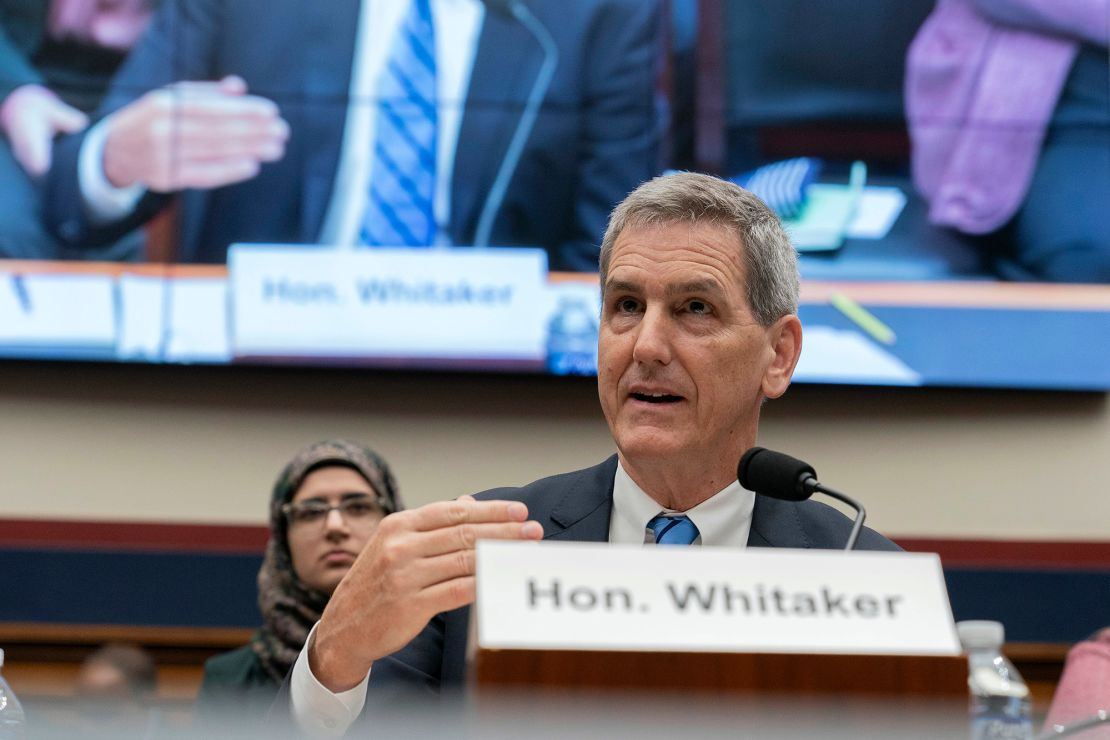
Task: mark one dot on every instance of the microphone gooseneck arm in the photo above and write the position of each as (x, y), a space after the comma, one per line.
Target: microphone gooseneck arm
(531, 111)
(861, 513)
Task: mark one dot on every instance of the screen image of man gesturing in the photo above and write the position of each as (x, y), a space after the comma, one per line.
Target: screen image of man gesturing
(314, 143)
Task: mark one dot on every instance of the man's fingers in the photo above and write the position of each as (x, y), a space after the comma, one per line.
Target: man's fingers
(449, 566)
(230, 85)
(200, 141)
(216, 151)
(466, 536)
(259, 151)
(411, 547)
(213, 174)
(67, 120)
(233, 85)
(33, 154)
(448, 595)
(464, 511)
(403, 549)
(206, 99)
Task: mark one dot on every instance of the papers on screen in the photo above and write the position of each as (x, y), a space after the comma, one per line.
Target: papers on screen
(835, 212)
(845, 356)
(878, 209)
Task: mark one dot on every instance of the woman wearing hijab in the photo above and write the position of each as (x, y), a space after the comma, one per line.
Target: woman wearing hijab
(325, 505)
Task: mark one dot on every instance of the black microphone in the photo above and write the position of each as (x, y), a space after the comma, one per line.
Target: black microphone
(519, 11)
(786, 478)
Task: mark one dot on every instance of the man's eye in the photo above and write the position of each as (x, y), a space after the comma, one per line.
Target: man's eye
(698, 307)
(628, 305)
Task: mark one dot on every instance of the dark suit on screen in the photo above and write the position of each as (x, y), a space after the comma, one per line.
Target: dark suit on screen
(595, 138)
(576, 507)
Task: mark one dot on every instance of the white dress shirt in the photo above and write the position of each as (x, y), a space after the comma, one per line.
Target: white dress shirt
(723, 520)
(458, 24)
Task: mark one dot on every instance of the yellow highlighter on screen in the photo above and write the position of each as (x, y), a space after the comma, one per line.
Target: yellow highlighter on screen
(863, 318)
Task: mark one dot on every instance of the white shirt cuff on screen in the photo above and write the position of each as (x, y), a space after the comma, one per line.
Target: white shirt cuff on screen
(104, 202)
(317, 711)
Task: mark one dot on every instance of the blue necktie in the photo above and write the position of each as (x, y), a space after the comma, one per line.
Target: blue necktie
(673, 530)
(400, 208)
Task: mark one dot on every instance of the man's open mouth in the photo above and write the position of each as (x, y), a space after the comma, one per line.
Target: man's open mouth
(656, 397)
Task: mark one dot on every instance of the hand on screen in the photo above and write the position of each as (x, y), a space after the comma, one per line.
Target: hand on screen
(419, 563)
(31, 116)
(193, 135)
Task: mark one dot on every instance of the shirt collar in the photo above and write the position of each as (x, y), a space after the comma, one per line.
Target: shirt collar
(723, 519)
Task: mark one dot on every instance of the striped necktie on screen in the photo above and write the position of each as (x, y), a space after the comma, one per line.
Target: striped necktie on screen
(673, 530)
(400, 210)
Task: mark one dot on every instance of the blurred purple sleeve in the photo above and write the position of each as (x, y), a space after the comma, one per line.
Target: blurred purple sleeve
(1083, 20)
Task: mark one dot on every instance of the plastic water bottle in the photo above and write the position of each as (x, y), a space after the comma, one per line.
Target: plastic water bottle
(12, 720)
(572, 339)
(1000, 705)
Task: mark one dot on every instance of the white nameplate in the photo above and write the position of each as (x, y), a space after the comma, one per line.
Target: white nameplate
(431, 303)
(574, 596)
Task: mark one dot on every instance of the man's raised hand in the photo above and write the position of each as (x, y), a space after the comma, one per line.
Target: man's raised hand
(193, 135)
(419, 563)
(31, 116)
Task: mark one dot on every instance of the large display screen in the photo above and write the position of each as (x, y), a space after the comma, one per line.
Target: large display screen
(425, 183)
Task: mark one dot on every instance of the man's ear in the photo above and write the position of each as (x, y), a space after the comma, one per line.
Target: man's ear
(785, 340)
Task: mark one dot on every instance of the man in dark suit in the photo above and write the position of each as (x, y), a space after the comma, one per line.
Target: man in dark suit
(698, 329)
(261, 172)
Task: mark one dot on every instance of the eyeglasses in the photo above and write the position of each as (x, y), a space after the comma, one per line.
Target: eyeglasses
(353, 509)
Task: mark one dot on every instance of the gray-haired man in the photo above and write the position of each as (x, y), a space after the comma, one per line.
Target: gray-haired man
(698, 328)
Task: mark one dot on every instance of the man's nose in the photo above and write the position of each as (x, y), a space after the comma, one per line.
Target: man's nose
(653, 337)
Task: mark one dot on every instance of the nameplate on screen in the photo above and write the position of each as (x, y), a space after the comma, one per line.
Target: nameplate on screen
(575, 596)
(391, 303)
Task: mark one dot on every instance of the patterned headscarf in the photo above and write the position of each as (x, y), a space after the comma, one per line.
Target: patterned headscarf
(289, 607)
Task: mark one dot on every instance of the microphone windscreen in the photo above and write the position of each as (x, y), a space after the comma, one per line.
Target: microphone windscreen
(774, 474)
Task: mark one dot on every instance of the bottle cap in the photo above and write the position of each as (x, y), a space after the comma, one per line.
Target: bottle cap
(981, 633)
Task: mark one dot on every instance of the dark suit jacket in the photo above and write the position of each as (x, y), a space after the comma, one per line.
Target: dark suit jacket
(21, 30)
(594, 141)
(235, 686)
(577, 506)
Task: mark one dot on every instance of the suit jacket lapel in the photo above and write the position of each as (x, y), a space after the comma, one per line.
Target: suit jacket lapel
(505, 66)
(582, 513)
(328, 56)
(776, 524)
